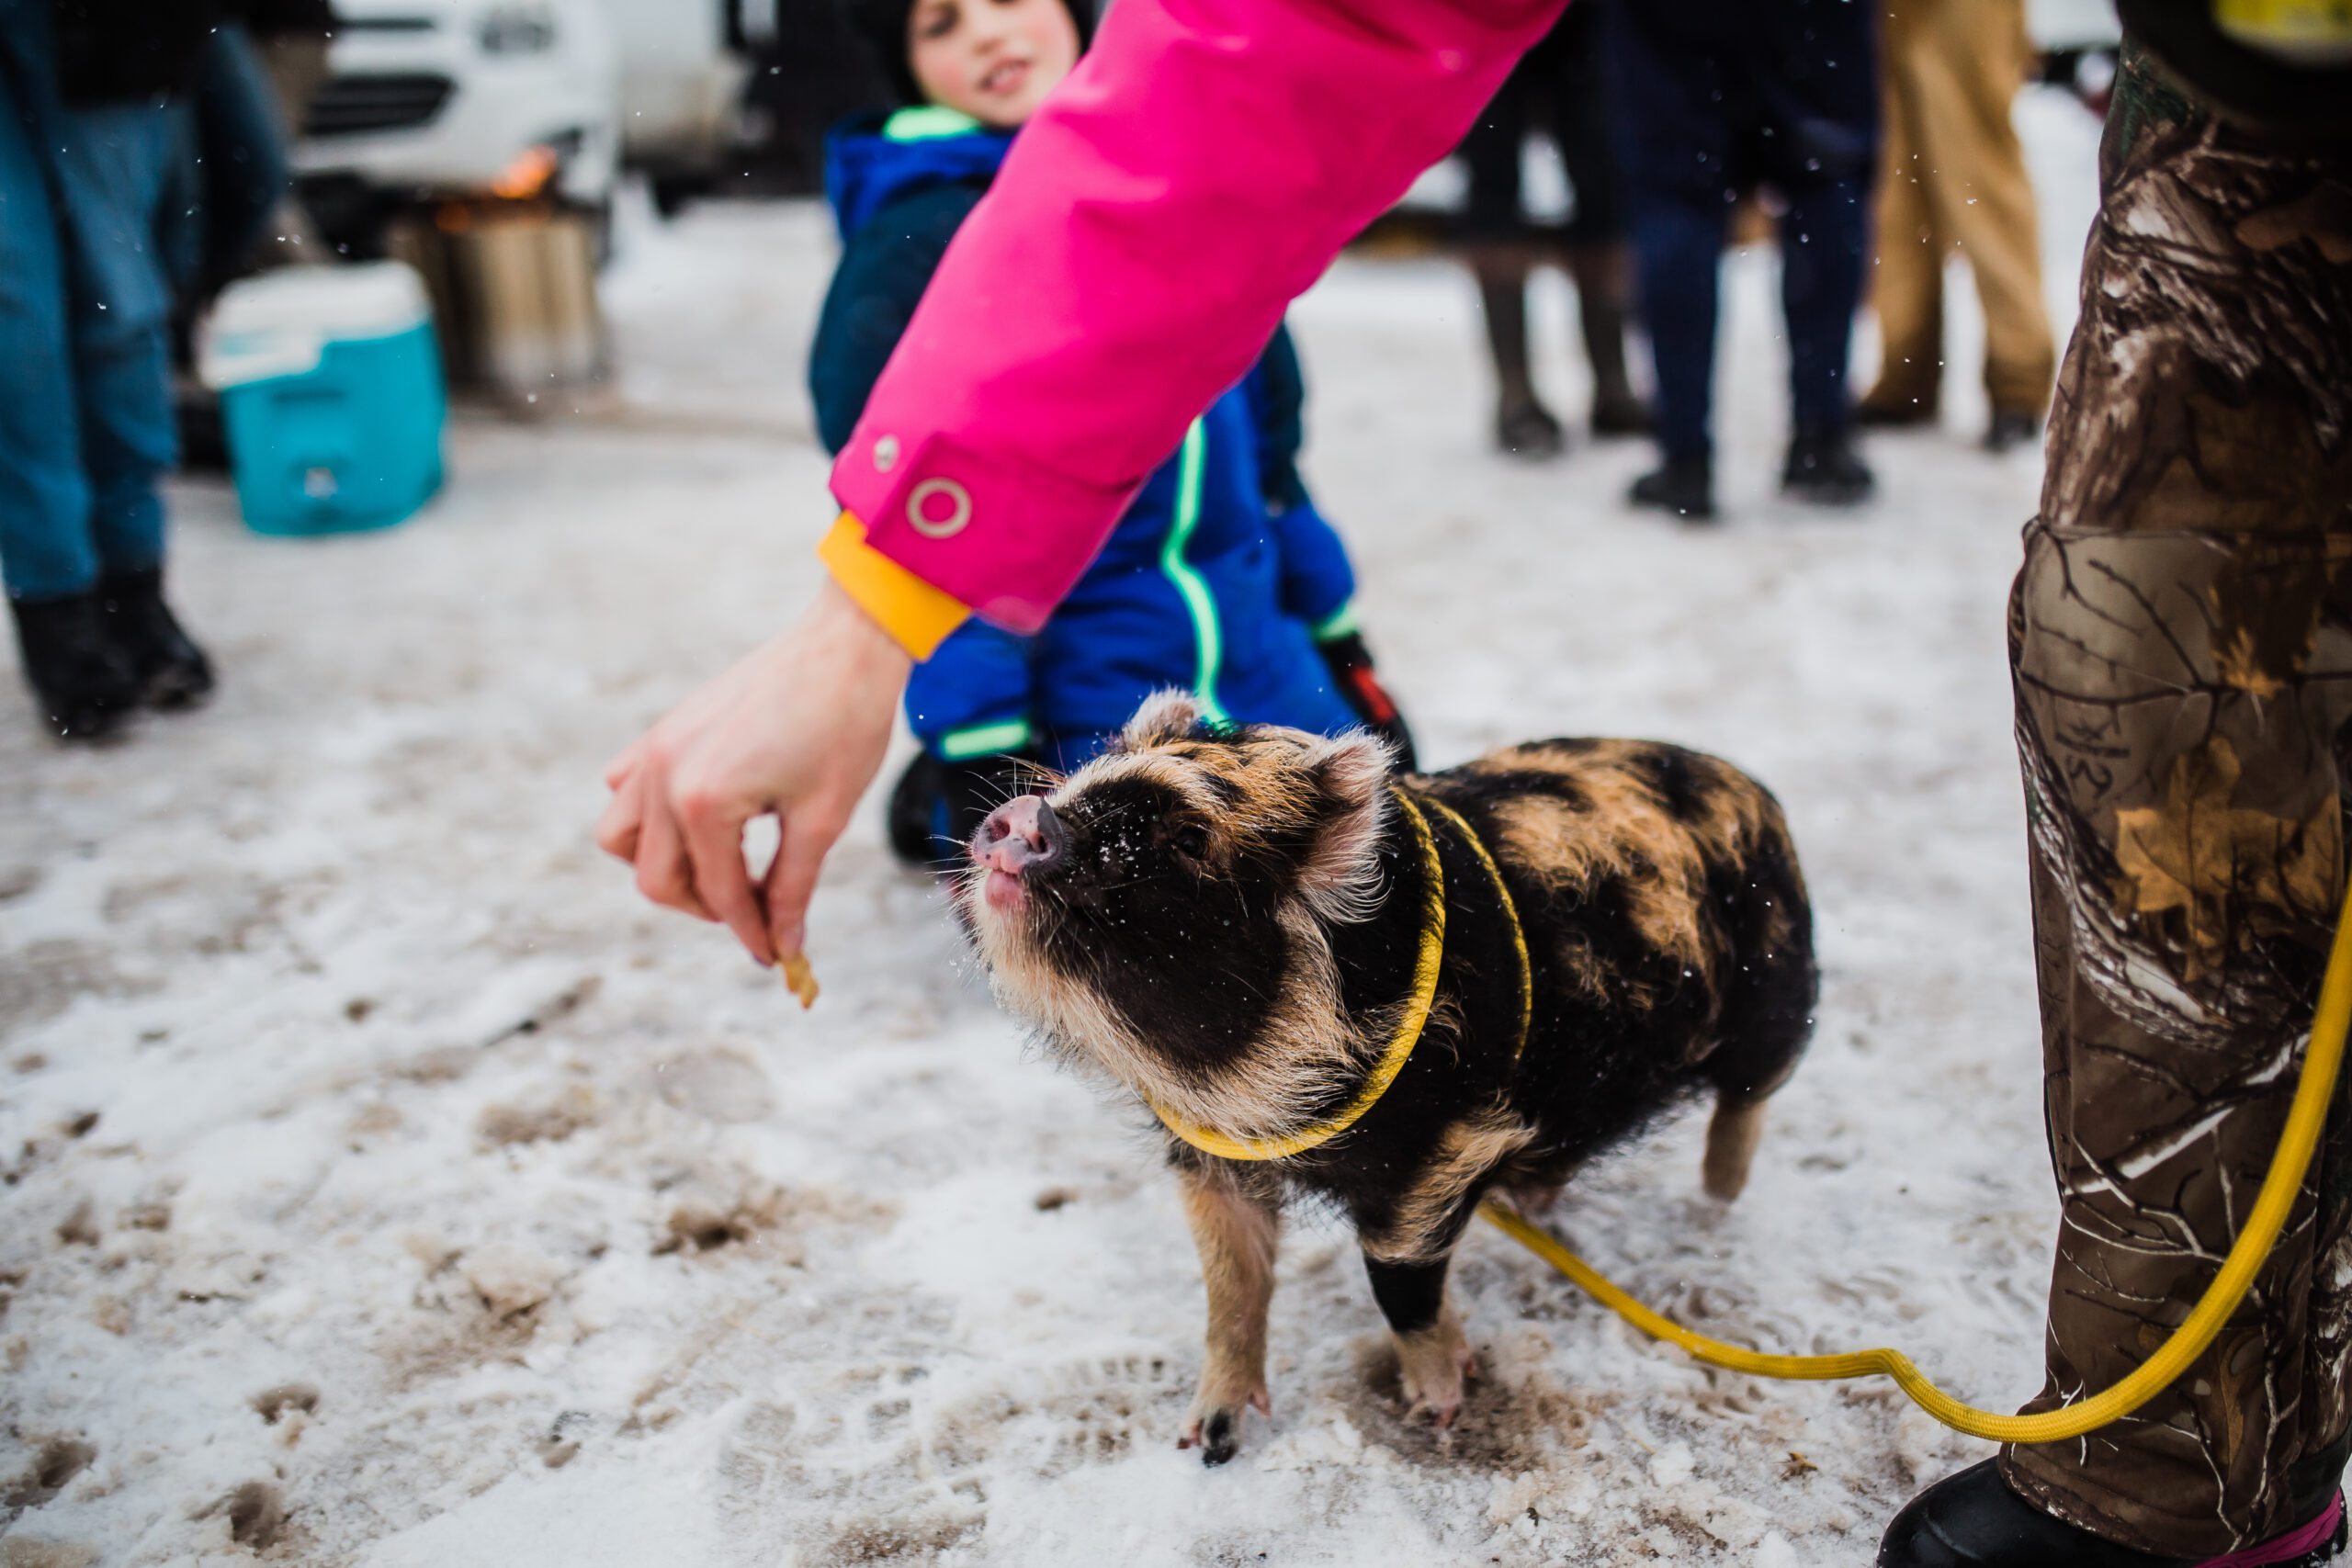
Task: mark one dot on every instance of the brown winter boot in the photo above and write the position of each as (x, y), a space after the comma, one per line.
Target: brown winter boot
(1604, 280)
(1523, 427)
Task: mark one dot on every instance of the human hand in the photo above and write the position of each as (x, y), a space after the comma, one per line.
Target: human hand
(797, 729)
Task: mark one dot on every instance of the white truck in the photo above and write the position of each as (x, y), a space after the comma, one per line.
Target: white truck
(427, 100)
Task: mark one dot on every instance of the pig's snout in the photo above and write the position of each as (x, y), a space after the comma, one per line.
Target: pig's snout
(1020, 837)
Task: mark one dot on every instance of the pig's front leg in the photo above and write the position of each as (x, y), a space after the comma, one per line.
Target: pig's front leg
(1432, 1355)
(1235, 1230)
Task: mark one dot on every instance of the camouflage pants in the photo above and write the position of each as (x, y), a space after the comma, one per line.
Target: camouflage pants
(2182, 645)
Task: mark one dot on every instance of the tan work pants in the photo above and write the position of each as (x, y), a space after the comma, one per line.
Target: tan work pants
(1952, 177)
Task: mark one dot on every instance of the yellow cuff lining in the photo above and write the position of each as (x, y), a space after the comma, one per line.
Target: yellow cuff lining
(917, 616)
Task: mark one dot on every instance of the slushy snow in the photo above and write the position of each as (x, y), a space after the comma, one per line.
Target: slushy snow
(387, 1184)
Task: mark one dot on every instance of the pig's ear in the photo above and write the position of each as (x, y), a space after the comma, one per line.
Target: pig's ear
(1164, 717)
(1342, 878)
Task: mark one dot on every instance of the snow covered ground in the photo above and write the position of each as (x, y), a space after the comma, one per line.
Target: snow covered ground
(385, 1184)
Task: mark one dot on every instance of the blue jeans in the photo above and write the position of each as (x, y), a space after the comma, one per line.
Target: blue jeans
(1678, 248)
(86, 403)
(1714, 98)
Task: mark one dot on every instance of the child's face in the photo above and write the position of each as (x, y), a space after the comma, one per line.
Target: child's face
(994, 59)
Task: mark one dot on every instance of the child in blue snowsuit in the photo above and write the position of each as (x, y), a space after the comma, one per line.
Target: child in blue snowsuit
(1221, 578)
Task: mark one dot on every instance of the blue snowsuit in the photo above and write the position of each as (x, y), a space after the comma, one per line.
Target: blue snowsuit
(1219, 577)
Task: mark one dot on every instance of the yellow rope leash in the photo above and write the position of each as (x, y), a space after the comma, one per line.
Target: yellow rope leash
(1399, 1050)
(2306, 1120)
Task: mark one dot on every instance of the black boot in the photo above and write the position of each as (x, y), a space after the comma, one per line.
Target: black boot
(1876, 412)
(2011, 428)
(84, 685)
(1523, 427)
(173, 672)
(1527, 429)
(1604, 279)
(1973, 1520)
(914, 811)
(1614, 416)
(1685, 485)
(1825, 469)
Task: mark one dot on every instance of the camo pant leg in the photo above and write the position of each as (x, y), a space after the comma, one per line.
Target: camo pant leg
(2181, 646)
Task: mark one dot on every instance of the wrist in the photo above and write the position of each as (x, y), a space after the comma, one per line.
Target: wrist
(842, 622)
(915, 614)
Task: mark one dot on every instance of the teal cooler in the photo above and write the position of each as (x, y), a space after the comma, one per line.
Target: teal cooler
(331, 394)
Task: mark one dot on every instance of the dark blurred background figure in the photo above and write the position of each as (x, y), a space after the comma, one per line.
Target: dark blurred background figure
(94, 104)
(236, 212)
(812, 74)
(1952, 177)
(1714, 97)
(1558, 91)
(252, 80)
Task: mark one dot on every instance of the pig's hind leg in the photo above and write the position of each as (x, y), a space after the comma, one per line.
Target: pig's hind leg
(1235, 1229)
(1768, 1014)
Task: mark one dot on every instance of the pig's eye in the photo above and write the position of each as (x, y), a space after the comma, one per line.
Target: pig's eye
(1192, 840)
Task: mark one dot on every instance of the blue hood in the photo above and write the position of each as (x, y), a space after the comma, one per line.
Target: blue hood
(874, 160)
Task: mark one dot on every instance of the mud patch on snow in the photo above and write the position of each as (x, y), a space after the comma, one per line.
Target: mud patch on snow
(720, 1210)
(43, 978)
(255, 1513)
(55, 1464)
(271, 1403)
(910, 1540)
(546, 1120)
(27, 1551)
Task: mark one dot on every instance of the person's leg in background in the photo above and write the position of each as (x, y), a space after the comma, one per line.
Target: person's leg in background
(1906, 286)
(2180, 635)
(1679, 245)
(1600, 257)
(1955, 67)
(115, 164)
(48, 555)
(1989, 209)
(1500, 252)
(1672, 134)
(1824, 239)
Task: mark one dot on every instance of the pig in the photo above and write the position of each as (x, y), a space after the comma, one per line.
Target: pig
(1236, 924)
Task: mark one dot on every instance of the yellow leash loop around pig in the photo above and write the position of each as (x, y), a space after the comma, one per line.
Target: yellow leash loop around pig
(1511, 916)
(1399, 1050)
(2306, 1120)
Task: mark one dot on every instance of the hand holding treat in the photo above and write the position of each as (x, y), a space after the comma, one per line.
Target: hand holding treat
(797, 729)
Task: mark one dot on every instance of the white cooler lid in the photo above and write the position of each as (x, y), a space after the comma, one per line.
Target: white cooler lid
(278, 323)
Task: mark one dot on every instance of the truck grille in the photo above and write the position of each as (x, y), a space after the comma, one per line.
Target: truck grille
(362, 105)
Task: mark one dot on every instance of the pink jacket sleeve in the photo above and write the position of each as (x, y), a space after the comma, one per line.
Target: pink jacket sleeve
(1198, 171)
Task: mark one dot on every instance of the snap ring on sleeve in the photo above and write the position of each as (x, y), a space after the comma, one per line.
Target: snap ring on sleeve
(920, 513)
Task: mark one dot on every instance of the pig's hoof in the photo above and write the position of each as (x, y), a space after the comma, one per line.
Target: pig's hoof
(1432, 1366)
(1215, 1427)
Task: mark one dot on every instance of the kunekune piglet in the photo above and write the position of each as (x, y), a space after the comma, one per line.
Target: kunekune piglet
(1246, 927)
